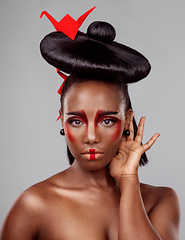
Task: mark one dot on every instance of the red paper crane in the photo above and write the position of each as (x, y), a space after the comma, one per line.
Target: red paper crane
(67, 24)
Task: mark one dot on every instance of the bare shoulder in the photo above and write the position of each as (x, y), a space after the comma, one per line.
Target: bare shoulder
(33, 198)
(36, 197)
(159, 193)
(25, 216)
(164, 212)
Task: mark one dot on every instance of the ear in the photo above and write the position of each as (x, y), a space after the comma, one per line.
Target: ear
(61, 117)
(128, 118)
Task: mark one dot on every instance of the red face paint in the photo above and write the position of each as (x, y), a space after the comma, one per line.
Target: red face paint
(77, 115)
(92, 154)
(117, 131)
(80, 114)
(100, 115)
(68, 133)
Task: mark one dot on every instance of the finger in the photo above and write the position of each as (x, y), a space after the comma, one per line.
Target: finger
(152, 140)
(140, 130)
(131, 126)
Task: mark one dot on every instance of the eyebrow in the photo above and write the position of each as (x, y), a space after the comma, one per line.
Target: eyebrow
(103, 113)
(100, 113)
(77, 113)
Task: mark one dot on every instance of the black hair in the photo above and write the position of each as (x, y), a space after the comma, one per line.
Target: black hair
(94, 55)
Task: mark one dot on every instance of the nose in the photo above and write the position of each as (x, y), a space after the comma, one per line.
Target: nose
(92, 136)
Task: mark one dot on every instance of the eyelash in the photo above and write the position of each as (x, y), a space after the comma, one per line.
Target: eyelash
(73, 122)
(110, 120)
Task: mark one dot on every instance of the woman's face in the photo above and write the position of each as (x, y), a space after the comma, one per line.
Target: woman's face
(93, 121)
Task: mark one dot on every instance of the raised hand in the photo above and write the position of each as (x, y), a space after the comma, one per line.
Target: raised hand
(126, 162)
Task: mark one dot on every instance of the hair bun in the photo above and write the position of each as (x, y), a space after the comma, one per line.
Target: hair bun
(101, 31)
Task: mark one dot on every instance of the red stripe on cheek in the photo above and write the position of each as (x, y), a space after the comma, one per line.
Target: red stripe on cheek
(68, 133)
(117, 132)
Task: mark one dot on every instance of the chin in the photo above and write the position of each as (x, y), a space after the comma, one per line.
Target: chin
(93, 165)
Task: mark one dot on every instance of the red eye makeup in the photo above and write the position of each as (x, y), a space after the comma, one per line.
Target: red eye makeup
(79, 117)
(102, 117)
(68, 132)
(80, 114)
(117, 131)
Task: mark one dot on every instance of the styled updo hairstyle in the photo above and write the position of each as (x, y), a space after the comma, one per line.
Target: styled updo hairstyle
(95, 56)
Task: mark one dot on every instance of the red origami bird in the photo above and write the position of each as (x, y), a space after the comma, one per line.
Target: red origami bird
(67, 24)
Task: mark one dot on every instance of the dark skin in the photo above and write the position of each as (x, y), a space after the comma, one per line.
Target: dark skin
(99, 198)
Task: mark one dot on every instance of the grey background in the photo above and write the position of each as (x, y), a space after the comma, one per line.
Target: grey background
(31, 146)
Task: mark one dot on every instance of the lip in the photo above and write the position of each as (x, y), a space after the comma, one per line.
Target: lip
(92, 151)
(92, 154)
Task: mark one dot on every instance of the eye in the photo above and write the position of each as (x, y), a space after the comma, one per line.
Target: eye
(108, 122)
(76, 123)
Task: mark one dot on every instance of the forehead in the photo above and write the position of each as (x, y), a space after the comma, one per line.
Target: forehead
(93, 95)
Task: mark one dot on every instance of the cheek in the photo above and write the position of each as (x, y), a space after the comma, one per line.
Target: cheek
(117, 131)
(68, 132)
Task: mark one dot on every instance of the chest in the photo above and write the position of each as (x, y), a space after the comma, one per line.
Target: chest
(82, 217)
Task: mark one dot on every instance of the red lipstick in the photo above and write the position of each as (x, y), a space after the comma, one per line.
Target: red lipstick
(92, 154)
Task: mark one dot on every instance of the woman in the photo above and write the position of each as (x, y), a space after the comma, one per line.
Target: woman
(99, 196)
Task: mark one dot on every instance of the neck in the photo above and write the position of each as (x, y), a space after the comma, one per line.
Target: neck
(86, 178)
